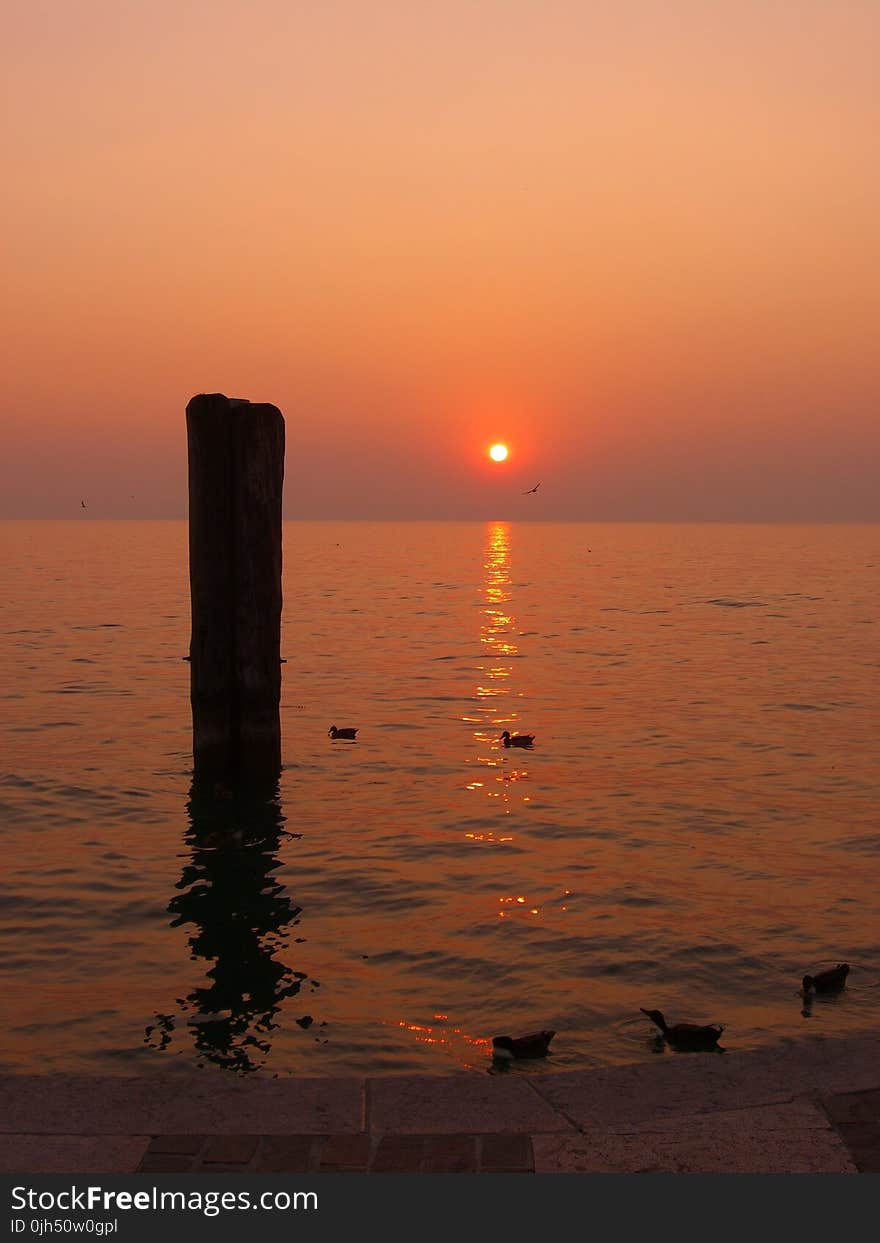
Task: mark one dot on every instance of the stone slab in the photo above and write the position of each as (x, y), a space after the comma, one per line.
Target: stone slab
(166, 1163)
(507, 1154)
(450, 1154)
(399, 1154)
(443, 1106)
(230, 1149)
(800, 1113)
(288, 1154)
(863, 1145)
(854, 1108)
(176, 1145)
(807, 1106)
(679, 1085)
(346, 1152)
(71, 1154)
(779, 1139)
(92, 1105)
(856, 1118)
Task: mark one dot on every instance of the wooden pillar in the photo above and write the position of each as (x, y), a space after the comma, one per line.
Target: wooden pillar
(236, 472)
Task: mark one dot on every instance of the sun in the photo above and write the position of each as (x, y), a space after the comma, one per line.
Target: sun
(498, 453)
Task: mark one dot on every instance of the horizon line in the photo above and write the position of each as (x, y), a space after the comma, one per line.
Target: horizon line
(559, 521)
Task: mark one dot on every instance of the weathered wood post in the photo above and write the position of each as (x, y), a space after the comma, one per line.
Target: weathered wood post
(236, 473)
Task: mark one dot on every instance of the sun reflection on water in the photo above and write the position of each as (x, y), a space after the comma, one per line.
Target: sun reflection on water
(494, 691)
(458, 1042)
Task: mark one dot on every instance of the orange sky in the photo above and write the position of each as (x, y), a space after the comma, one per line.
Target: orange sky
(636, 242)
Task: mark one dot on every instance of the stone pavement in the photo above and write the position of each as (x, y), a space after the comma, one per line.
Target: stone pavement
(360, 1154)
(807, 1107)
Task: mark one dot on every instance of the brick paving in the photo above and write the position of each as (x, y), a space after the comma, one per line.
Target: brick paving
(853, 1116)
(357, 1154)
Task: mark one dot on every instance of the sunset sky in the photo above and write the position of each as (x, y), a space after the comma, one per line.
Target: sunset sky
(637, 243)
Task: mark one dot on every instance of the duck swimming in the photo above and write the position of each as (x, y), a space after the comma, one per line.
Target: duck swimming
(517, 740)
(686, 1035)
(829, 981)
(506, 1048)
(333, 732)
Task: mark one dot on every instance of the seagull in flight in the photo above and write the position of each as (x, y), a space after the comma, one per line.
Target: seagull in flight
(529, 491)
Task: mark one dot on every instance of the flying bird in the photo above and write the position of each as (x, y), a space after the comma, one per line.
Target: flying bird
(83, 504)
(529, 491)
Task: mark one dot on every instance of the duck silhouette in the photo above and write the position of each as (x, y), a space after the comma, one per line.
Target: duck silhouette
(517, 740)
(830, 981)
(508, 1048)
(686, 1035)
(333, 732)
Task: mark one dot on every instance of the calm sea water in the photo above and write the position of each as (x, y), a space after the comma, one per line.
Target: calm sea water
(696, 826)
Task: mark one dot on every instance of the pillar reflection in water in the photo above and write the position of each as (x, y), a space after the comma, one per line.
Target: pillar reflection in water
(238, 914)
(497, 699)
